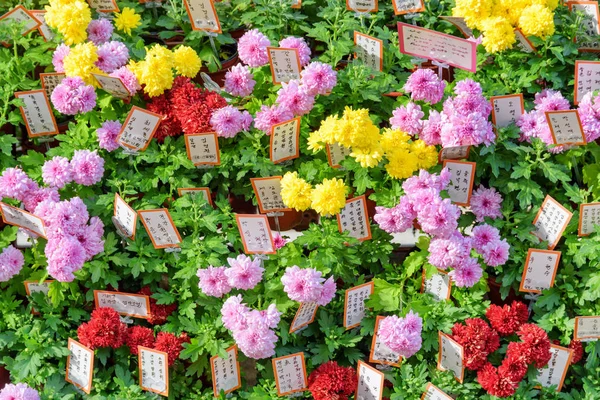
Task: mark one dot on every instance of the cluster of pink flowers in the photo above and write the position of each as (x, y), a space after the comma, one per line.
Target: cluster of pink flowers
(229, 121)
(85, 168)
(99, 31)
(589, 113)
(108, 134)
(11, 262)
(486, 203)
(20, 391)
(307, 285)
(111, 56)
(252, 330)
(243, 273)
(239, 81)
(252, 48)
(402, 335)
(279, 241)
(72, 96)
(425, 85)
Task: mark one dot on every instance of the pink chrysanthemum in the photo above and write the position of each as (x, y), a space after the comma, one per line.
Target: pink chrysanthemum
(72, 96)
(128, 78)
(239, 81)
(107, 135)
(486, 203)
(233, 313)
(57, 172)
(589, 113)
(467, 273)
(269, 116)
(19, 391)
(294, 97)
(402, 335)
(59, 56)
(229, 121)
(36, 196)
(65, 258)
(278, 241)
(408, 119)
(252, 48)
(112, 55)
(483, 235)
(213, 281)
(99, 31)
(11, 262)
(319, 78)
(307, 285)
(15, 183)
(292, 42)
(425, 85)
(496, 253)
(432, 129)
(445, 253)
(439, 218)
(87, 167)
(256, 343)
(244, 273)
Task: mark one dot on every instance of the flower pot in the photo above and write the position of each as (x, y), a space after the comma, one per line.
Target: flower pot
(289, 220)
(240, 205)
(151, 37)
(370, 204)
(495, 296)
(175, 40)
(308, 217)
(236, 34)
(219, 76)
(4, 377)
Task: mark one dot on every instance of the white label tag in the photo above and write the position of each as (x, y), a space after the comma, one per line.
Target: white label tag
(450, 357)
(268, 194)
(290, 374)
(160, 228)
(226, 372)
(507, 110)
(336, 154)
(589, 25)
(51, 81)
(203, 148)
(354, 304)
(203, 15)
(539, 270)
(461, 181)
(125, 217)
(304, 316)
(103, 5)
(523, 43)
(587, 78)
(285, 64)
(370, 383)
(20, 14)
(354, 218)
(460, 23)
(369, 51)
(439, 285)
(80, 366)
(17, 217)
(589, 217)
(128, 304)
(551, 221)
(154, 370)
(44, 29)
(407, 6)
(565, 127)
(114, 86)
(434, 393)
(256, 234)
(37, 113)
(138, 129)
(587, 328)
(556, 370)
(284, 141)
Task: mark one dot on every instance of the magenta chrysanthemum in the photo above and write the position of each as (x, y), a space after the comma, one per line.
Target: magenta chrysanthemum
(292, 42)
(244, 273)
(439, 218)
(213, 281)
(425, 85)
(486, 203)
(483, 235)
(467, 273)
(496, 253)
(16, 184)
(408, 119)
(64, 258)
(252, 48)
(306, 285)
(87, 167)
(72, 96)
(128, 78)
(11, 262)
(402, 335)
(589, 113)
(36, 196)
(58, 57)
(57, 172)
(431, 133)
(107, 135)
(445, 253)
(269, 116)
(294, 97)
(112, 55)
(239, 81)
(229, 121)
(19, 391)
(319, 78)
(99, 31)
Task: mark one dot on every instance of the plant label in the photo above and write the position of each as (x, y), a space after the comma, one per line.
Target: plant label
(226, 372)
(432, 392)
(402, 7)
(551, 221)
(127, 304)
(20, 14)
(297, 4)
(268, 194)
(304, 316)
(369, 50)
(50, 81)
(154, 370)
(80, 366)
(203, 191)
(556, 370)
(380, 352)
(284, 141)
(370, 383)
(507, 110)
(290, 374)
(566, 127)
(336, 154)
(587, 328)
(138, 129)
(43, 29)
(523, 43)
(256, 234)
(354, 219)
(362, 6)
(160, 228)
(589, 217)
(460, 24)
(125, 217)
(112, 85)
(589, 25)
(587, 78)
(539, 270)
(21, 218)
(285, 64)
(105, 6)
(454, 153)
(354, 304)
(203, 148)
(450, 357)
(439, 285)
(432, 45)
(37, 113)
(461, 181)
(203, 15)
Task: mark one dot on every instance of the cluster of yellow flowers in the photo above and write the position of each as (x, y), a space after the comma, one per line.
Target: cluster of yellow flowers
(497, 19)
(127, 20)
(81, 62)
(70, 17)
(156, 70)
(326, 198)
(356, 131)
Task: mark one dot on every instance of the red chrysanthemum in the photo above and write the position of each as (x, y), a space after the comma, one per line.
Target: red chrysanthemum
(494, 383)
(170, 344)
(514, 366)
(139, 336)
(577, 348)
(538, 344)
(170, 125)
(158, 312)
(105, 329)
(332, 382)
(478, 340)
(506, 320)
(194, 106)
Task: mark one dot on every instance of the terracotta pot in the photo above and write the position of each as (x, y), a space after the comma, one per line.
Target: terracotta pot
(447, 73)
(219, 76)
(236, 34)
(495, 296)
(308, 217)
(4, 377)
(151, 37)
(342, 65)
(289, 220)
(239, 205)
(370, 204)
(175, 40)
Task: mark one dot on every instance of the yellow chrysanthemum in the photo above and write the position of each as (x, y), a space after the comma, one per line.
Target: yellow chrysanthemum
(155, 71)
(401, 164)
(329, 197)
(498, 34)
(473, 11)
(510, 9)
(354, 125)
(81, 62)
(187, 62)
(295, 192)
(427, 156)
(551, 4)
(393, 139)
(537, 20)
(127, 20)
(70, 18)
(367, 157)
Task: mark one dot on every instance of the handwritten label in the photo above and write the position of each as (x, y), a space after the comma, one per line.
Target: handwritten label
(160, 228)
(203, 15)
(154, 370)
(362, 6)
(523, 43)
(539, 270)
(439, 285)
(105, 6)
(336, 154)
(454, 153)
(370, 383)
(587, 78)
(268, 194)
(112, 85)
(460, 24)
(284, 141)
(408, 6)
(203, 191)
(551, 221)
(589, 25)
(37, 113)
(556, 370)
(566, 127)
(450, 357)
(380, 352)
(297, 4)
(256, 234)
(587, 328)
(80, 366)
(50, 81)
(369, 50)
(138, 129)
(354, 304)
(432, 392)
(132, 305)
(21, 218)
(507, 110)
(43, 29)
(425, 43)
(290, 374)
(354, 219)
(226, 372)
(462, 175)
(589, 217)
(304, 316)
(203, 148)
(20, 14)
(124, 218)
(285, 64)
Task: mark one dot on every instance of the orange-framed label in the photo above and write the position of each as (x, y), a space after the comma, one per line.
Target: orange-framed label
(369, 50)
(439, 285)
(125, 217)
(462, 178)
(290, 374)
(50, 81)
(226, 372)
(460, 24)
(566, 127)
(113, 86)
(370, 382)
(284, 141)
(285, 64)
(587, 328)
(80, 366)
(402, 7)
(362, 6)
(203, 148)
(296, 4)
(539, 270)
(37, 113)
(105, 6)
(507, 110)
(590, 25)
(556, 370)
(268, 194)
(354, 218)
(21, 14)
(454, 153)
(587, 78)
(160, 228)
(336, 154)
(37, 287)
(551, 221)
(256, 234)
(204, 191)
(589, 216)
(380, 352)
(450, 357)
(523, 42)
(354, 304)
(432, 392)
(203, 15)
(43, 29)
(139, 129)
(21, 218)
(126, 304)
(153, 368)
(304, 316)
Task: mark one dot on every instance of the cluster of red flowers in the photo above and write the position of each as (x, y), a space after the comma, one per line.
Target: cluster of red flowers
(506, 320)
(186, 107)
(478, 341)
(332, 382)
(577, 348)
(158, 312)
